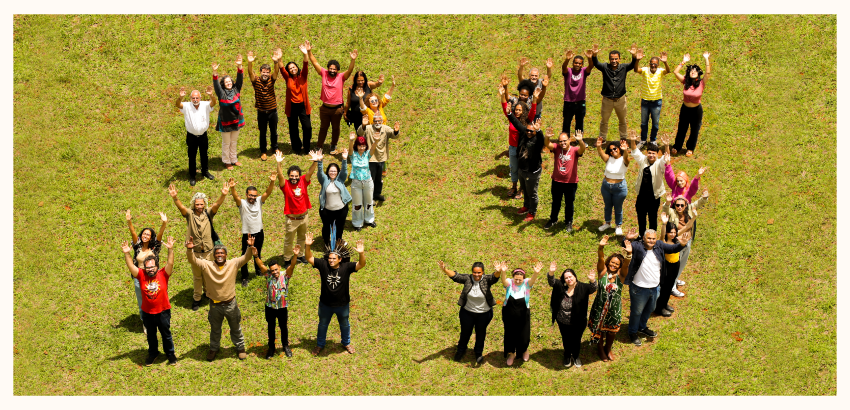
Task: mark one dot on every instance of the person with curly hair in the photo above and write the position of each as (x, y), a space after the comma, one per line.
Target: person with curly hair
(690, 115)
(606, 312)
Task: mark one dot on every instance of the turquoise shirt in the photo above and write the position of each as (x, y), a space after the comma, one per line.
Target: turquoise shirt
(360, 166)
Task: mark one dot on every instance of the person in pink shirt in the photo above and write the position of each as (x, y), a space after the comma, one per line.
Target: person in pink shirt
(565, 176)
(575, 82)
(691, 111)
(331, 111)
(680, 184)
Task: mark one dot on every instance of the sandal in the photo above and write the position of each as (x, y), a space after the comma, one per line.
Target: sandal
(674, 151)
(689, 153)
(511, 192)
(518, 195)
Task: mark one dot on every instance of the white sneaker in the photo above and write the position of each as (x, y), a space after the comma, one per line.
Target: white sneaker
(680, 283)
(618, 231)
(578, 362)
(604, 228)
(640, 144)
(677, 294)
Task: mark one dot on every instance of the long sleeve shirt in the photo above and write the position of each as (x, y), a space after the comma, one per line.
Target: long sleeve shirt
(220, 280)
(613, 81)
(677, 191)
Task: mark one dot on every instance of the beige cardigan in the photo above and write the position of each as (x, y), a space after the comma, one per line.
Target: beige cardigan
(656, 169)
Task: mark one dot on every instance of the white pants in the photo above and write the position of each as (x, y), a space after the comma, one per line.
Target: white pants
(228, 147)
(361, 199)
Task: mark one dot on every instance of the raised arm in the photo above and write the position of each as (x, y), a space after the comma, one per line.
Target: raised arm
(351, 137)
(251, 66)
(270, 189)
(594, 51)
(312, 58)
(376, 84)
(296, 252)
(522, 63)
(128, 259)
(636, 60)
(361, 250)
(707, 66)
(278, 156)
(316, 157)
(249, 252)
(169, 264)
(389, 93)
(180, 96)
(213, 99)
(663, 59)
(694, 188)
(350, 70)
(669, 176)
(679, 75)
(537, 268)
(276, 56)
(633, 50)
(238, 84)
(162, 227)
(232, 185)
(262, 267)
(538, 97)
(172, 191)
(579, 138)
(624, 267)
(599, 143)
(449, 273)
(688, 226)
(308, 253)
(588, 54)
(549, 64)
(550, 277)
(565, 66)
(548, 145)
(623, 148)
(133, 235)
(216, 85)
(220, 200)
(600, 254)
(506, 281)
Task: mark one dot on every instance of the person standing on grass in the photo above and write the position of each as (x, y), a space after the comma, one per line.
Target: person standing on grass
(377, 137)
(516, 313)
(297, 102)
(614, 188)
(296, 203)
(524, 113)
(251, 214)
(565, 176)
(680, 214)
(196, 116)
(335, 298)
(476, 305)
(265, 101)
(575, 82)
(362, 185)
(649, 183)
(333, 198)
(220, 276)
(606, 313)
(644, 279)
(361, 86)
(331, 110)
(156, 309)
(144, 245)
(691, 112)
(277, 288)
(230, 118)
(614, 88)
(569, 309)
(672, 235)
(371, 104)
(650, 90)
(530, 144)
(534, 78)
(680, 184)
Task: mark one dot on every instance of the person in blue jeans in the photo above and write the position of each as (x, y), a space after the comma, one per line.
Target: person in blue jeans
(645, 272)
(334, 298)
(650, 89)
(614, 189)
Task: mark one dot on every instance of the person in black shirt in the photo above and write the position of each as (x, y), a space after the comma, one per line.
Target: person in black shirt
(530, 146)
(568, 303)
(335, 296)
(614, 87)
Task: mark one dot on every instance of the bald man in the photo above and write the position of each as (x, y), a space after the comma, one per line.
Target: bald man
(197, 116)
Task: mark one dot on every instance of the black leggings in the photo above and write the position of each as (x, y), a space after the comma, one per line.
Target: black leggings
(267, 118)
(258, 243)
(571, 337)
(281, 316)
(688, 117)
(297, 112)
(479, 322)
(667, 283)
(577, 109)
(376, 170)
(333, 217)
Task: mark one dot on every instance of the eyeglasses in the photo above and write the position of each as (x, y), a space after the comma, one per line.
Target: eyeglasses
(680, 205)
(564, 141)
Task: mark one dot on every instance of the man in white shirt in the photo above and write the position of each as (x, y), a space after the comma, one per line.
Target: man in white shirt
(251, 214)
(197, 117)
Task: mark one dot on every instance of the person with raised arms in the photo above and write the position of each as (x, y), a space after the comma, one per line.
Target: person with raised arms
(196, 115)
(523, 110)
(362, 185)
(614, 88)
(690, 115)
(614, 189)
(564, 175)
(265, 100)
(144, 245)
(331, 111)
(333, 197)
(297, 106)
(649, 183)
(296, 203)
(606, 313)
(277, 288)
(251, 214)
(575, 84)
(672, 236)
(568, 304)
(679, 211)
(230, 118)
(535, 79)
(650, 90)
(516, 311)
(378, 137)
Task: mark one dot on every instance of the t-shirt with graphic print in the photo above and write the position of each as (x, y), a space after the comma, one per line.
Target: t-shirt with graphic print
(565, 170)
(276, 290)
(295, 198)
(154, 292)
(334, 282)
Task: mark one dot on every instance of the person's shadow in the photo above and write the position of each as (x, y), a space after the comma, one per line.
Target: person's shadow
(447, 353)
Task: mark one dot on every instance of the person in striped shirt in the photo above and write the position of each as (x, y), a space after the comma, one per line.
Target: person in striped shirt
(265, 101)
(650, 91)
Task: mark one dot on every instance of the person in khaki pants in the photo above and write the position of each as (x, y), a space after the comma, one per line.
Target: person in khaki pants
(296, 203)
(199, 224)
(614, 87)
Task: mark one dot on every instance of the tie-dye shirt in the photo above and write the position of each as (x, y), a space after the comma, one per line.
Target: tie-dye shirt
(276, 290)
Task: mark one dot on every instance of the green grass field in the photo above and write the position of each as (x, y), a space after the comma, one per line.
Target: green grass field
(96, 133)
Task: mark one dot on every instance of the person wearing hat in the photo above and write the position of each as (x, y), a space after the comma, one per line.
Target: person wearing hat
(516, 313)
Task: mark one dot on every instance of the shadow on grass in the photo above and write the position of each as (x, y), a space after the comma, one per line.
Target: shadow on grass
(180, 178)
(509, 212)
(184, 299)
(499, 191)
(137, 356)
(132, 323)
(447, 353)
(501, 171)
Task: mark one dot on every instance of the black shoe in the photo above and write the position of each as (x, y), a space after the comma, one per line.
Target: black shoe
(568, 362)
(666, 313)
(172, 360)
(192, 181)
(372, 224)
(358, 228)
(302, 259)
(549, 224)
(270, 352)
(287, 351)
(286, 264)
(244, 283)
(459, 355)
(196, 304)
(380, 198)
(635, 339)
(670, 308)
(209, 176)
(479, 359)
(151, 357)
(648, 332)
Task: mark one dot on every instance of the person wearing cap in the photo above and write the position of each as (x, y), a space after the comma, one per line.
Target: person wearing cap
(361, 183)
(516, 313)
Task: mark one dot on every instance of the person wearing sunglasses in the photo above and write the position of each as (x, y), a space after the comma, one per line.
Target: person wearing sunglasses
(565, 176)
(614, 188)
(680, 212)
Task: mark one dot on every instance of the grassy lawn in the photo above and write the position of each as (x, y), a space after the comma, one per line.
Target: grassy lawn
(96, 133)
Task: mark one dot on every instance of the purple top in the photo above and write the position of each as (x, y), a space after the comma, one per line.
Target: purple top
(574, 84)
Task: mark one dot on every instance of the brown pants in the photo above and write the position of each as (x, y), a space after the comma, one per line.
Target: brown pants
(198, 277)
(332, 117)
(619, 106)
(295, 227)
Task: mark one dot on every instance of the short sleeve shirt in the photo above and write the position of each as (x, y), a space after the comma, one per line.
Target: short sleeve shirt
(650, 87)
(334, 282)
(197, 119)
(276, 290)
(566, 165)
(251, 215)
(154, 292)
(575, 85)
(296, 200)
(331, 88)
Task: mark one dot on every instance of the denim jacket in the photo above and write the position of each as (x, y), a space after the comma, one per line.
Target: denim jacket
(339, 181)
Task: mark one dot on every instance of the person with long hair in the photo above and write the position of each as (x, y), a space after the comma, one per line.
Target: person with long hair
(680, 211)
(568, 303)
(230, 118)
(144, 245)
(353, 98)
(331, 111)
(333, 198)
(672, 235)
(516, 311)
(606, 314)
(370, 104)
(680, 184)
(575, 83)
(614, 188)
(690, 115)
(362, 185)
(523, 110)
(297, 107)
(476, 305)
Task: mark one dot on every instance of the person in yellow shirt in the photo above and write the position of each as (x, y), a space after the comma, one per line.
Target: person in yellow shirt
(650, 90)
(374, 104)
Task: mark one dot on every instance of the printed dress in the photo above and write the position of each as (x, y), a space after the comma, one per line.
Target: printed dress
(609, 294)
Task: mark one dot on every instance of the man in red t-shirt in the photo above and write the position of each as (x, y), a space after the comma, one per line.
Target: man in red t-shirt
(156, 310)
(296, 203)
(565, 175)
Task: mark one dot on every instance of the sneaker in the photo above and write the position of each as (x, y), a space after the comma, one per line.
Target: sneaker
(680, 283)
(349, 348)
(648, 332)
(302, 259)
(270, 352)
(605, 227)
(151, 357)
(549, 224)
(358, 228)
(459, 355)
(528, 218)
(244, 283)
(479, 359)
(635, 339)
(317, 350)
(196, 304)
(372, 224)
(578, 362)
(172, 360)
(618, 231)
(241, 354)
(333, 150)
(287, 351)
(209, 176)
(211, 355)
(640, 144)
(569, 227)
(677, 294)
(522, 211)
(192, 181)
(568, 362)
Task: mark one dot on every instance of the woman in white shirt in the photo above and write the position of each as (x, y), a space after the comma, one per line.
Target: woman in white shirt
(516, 313)
(614, 189)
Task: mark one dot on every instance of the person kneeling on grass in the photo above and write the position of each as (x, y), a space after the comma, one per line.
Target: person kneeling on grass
(335, 297)
(156, 310)
(277, 288)
(220, 277)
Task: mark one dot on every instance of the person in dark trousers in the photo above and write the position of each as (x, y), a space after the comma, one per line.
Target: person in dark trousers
(575, 83)
(566, 153)
(516, 311)
(265, 101)
(251, 214)
(614, 88)
(277, 288)
(476, 306)
(197, 118)
(530, 144)
(690, 115)
(568, 303)
(649, 183)
(297, 107)
(377, 137)
(672, 236)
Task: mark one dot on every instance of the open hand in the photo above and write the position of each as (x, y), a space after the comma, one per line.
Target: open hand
(215, 66)
(182, 91)
(316, 155)
(705, 194)
(624, 147)
(344, 153)
(639, 54)
(308, 239)
(595, 49)
(537, 267)
(352, 136)
(633, 49)
(397, 126)
(125, 247)
(664, 56)
(171, 191)
(170, 243)
(238, 60)
(702, 171)
(664, 219)
(250, 57)
(627, 246)
(231, 183)
(600, 141)
(225, 189)
(549, 63)
(686, 58)
(296, 250)
(669, 198)
(705, 55)
(190, 242)
(359, 93)
(359, 247)
(163, 218)
(442, 265)
(604, 241)
(570, 54)
(545, 80)
(273, 177)
(277, 54)
(589, 54)
(128, 216)
(250, 240)
(353, 54)
(209, 90)
(303, 48)
(591, 276)
(278, 156)
(523, 61)
(504, 80)
(553, 266)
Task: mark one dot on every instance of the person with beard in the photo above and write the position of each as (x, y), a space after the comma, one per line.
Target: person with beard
(296, 203)
(614, 88)
(297, 102)
(230, 118)
(534, 79)
(529, 149)
(523, 110)
(144, 245)
(565, 176)
(606, 312)
(220, 276)
(196, 116)
(251, 214)
(331, 111)
(377, 137)
(156, 309)
(265, 100)
(335, 274)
